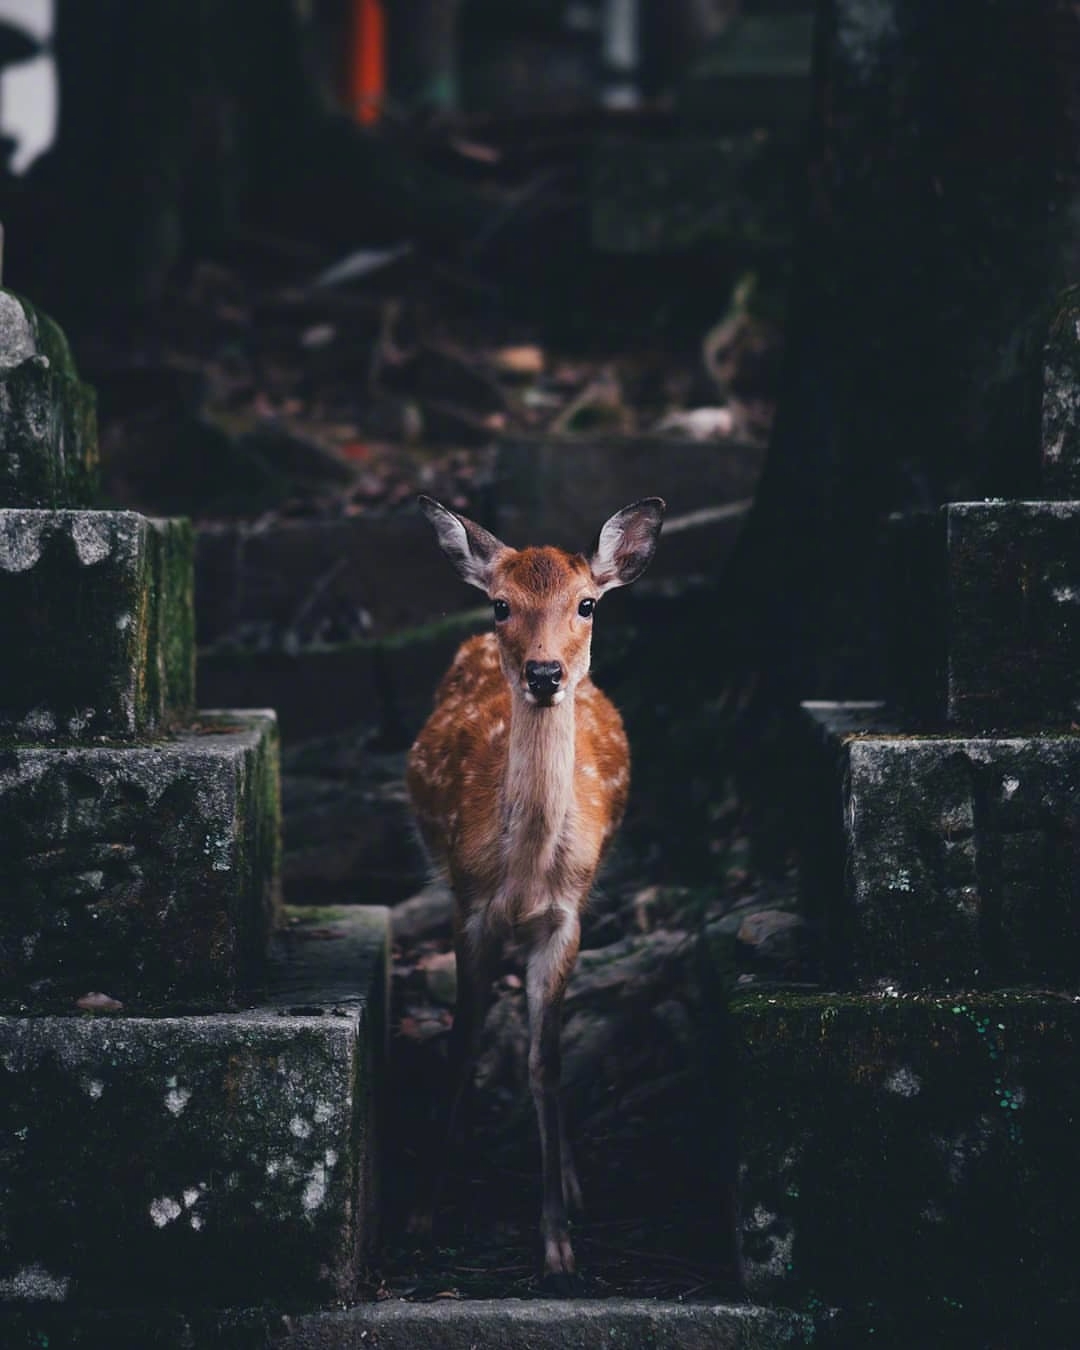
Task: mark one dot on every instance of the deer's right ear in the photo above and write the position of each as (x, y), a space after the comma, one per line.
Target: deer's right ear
(469, 546)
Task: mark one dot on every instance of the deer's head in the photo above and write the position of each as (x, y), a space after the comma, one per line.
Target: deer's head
(543, 598)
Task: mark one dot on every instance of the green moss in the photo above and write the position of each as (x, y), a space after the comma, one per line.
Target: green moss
(912, 1143)
(48, 436)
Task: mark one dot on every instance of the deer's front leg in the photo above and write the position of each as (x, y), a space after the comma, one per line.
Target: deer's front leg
(476, 963)
(550, 961)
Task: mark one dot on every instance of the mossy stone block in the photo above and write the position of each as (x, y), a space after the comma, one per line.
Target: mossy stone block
(48, 417)
(96, 624)
(146, 872)
(910, 1153)
(1013, 633)
(172, 664)
(943, 861)
(1061, 400)
(984, 605)
(198, 1160)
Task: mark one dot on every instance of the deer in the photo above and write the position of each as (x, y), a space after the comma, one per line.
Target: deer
(518, 782)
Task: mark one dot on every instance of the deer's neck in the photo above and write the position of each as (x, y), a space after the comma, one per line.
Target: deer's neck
(539, 790)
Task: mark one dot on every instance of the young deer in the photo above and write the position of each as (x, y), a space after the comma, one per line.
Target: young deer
(518, 782)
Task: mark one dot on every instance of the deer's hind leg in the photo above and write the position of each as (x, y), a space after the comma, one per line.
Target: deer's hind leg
(553, 949)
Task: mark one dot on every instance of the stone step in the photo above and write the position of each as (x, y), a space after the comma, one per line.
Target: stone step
(145, 872)
(756, 73)
(207, 1160)
(986, 605)
(943, 861)
(560, 489)
(96, 622)
(303, 583)
(379, 683)
(48, 418)
(667, 196)
(481, 1324)
(908, 1154)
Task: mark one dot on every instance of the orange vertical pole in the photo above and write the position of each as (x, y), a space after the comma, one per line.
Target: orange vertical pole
(367, 61)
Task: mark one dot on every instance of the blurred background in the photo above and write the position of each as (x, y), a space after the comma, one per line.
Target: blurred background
(788, 265)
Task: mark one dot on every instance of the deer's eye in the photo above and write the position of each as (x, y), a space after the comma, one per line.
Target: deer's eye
(502, 610)
(585, 609)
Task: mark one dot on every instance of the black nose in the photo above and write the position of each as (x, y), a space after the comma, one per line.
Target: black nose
(543, 677)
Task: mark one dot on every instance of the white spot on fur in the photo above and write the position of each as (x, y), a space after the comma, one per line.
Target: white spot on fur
(1009, 788)
(94, 1087)
(299, 1127)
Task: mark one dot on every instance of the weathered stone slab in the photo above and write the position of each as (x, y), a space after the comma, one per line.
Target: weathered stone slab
(347, 824)
(148, 872)
(382, 686)
(560, 489)
(984, 602)
(205, 1159)
(96, 623)
(905, 1153)
(1061, 400)
(943, 861)
(668, 196)
(1014, 600)
(310, 583)
(449, 1324)
(48, 418)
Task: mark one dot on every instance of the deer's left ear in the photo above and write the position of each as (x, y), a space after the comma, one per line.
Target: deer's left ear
(626, 543)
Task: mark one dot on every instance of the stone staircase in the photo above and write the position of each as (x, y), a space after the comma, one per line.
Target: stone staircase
(190, 1085)
(190, 1088)
(925, 1113)
(188, 1097)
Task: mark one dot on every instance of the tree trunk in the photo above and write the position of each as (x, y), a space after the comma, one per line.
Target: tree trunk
(941, 165)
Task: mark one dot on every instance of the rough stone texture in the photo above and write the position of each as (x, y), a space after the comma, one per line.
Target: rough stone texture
(1061, 400)
(949, 861)
(173, 663)
(383, 684)
(573, 1324)
(559, 490)
(145, 872)
(667, 196)
(1014, 602)
(984, 614)
(299, 584)
(906, 1152)
(481, 1324)
(348, 832)
(96, 623)
(48, 418)
(211, 1160)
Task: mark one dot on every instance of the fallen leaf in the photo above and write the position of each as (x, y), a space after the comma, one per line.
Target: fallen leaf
(700, 424)
(98, 1003)
(521, 360)
(360, 264)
